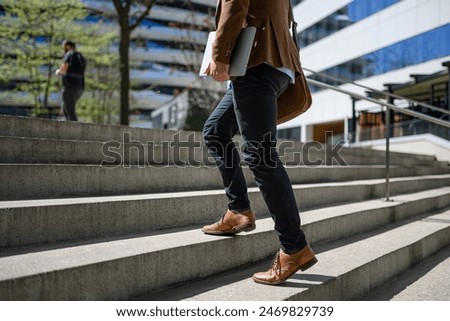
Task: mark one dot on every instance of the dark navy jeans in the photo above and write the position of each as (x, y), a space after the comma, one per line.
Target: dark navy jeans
(70, 96)
(250, 108)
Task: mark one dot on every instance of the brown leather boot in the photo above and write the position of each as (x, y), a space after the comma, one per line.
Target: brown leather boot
(285, 265)
(232, 223)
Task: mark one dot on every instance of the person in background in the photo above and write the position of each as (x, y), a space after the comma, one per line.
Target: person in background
(72, 71)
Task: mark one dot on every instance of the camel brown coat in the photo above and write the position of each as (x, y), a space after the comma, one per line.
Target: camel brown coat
(273, 45)
(273, 42)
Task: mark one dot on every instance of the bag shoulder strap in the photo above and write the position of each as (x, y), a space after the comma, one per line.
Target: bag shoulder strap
(294, 23)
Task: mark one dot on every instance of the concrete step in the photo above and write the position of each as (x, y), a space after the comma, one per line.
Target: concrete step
(370, 157)
(175, 151)
(49, 130)
(122, 268)
(37, 181)
(24, 150)
(45, 221)
(427, 281)
(346, 269)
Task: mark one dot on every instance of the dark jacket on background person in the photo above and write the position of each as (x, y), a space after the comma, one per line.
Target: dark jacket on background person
(74, 77)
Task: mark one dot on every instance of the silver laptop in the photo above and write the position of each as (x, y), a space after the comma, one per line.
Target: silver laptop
(240, 55)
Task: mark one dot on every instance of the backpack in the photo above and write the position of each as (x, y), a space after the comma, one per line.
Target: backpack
(77, 66)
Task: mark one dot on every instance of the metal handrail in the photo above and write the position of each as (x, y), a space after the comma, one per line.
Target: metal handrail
(389, 107)
(382, 103)
(384, 93)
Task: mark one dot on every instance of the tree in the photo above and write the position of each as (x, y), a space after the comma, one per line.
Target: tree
(31, 35)
(127, 24)
(99, 103)
(31, 43)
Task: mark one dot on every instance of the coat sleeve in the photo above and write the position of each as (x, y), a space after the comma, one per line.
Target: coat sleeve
(232, 16)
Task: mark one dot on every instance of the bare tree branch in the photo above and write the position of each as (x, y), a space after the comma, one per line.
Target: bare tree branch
(123, 6)
(148, 6)
(119, 8)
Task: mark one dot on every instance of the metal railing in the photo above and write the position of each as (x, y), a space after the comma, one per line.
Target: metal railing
(403, 128)
(389, 107)
(383, 93)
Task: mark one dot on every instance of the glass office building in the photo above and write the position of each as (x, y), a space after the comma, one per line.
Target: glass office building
(370, 42)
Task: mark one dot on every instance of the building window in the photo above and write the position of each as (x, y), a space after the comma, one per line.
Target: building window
(293, 133)
(430, 45)
(342, 18)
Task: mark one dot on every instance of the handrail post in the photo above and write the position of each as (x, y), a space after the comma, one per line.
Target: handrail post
(390, 100)
(353, 123)
(387, 133)
(447, 64)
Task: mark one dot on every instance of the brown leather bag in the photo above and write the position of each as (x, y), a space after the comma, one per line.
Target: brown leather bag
(296, 99)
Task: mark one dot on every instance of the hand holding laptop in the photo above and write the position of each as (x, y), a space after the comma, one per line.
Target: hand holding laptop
(239, 58)
(218, 70)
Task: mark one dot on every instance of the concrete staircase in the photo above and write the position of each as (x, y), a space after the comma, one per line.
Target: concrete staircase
(78, 222)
